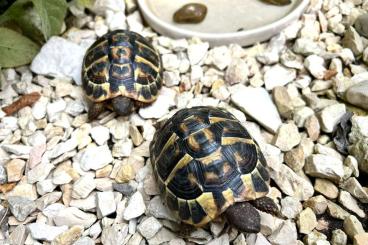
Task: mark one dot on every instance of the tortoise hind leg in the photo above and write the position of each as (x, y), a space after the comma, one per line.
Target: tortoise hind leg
(96, 109)
(244, 217)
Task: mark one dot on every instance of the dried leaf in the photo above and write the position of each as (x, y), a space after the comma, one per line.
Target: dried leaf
(25, 100)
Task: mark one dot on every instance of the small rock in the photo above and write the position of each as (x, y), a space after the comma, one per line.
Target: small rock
(224, 239)
(149, 227)
(269, 223)
(290, 207)
(136, 206)
(19, 235)
(95, 157)
(339, 237)
(278, 75)
(105, 203)
(191, 13)
(301, 115)
(157, 209)
(45, 232)
(164, 235)
(315, 65)
(287, 234)
(350, 203)
(17, 149)
(358, 95)
(21, 207)
(84, 241)
(295, 158)
(125, 189)
(313, 237)
(100, 134)
(283, 102)
(306, 47)
(352, 226)
(83, 187)
(171, 78)
(114, 234)
(361, 25)
(15, 169)
(353, 186)
(125, 173)
(197, 52)
(219, 56)
(317, 203)
(307, 221)
(39, 173)
(313, 128)
(246, 97)
(336, 211)
(69, 236)
(353, 41)
(287, 136)
(73, 216)
(319, 165)
(160, 107)
(237, 72)
(330, 117)
(327, 188)
(361, 239)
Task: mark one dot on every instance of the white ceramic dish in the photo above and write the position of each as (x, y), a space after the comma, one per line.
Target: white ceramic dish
(258, 21)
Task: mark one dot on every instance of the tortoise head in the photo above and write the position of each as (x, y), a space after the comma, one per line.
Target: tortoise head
(123, 106)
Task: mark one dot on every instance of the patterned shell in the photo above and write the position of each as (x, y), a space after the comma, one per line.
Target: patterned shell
(122, 63)
(204, 161)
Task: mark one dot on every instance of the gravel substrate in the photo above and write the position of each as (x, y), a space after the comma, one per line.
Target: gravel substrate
(65, 180)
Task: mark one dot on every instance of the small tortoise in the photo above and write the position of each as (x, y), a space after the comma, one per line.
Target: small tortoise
(206, 164)
(121, 70)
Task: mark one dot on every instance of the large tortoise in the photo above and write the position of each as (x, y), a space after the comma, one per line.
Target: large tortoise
(121, 70)
(206, 164)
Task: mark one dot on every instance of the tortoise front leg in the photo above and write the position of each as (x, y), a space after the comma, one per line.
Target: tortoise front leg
(244, 217)
(96, 109)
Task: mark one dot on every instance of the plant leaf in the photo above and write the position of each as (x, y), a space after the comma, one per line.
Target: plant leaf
(52, 13)
(15, 49)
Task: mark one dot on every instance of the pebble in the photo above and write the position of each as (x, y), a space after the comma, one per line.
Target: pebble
(39, 173)
(237, 72)
(301, 115)
(61, 58)
(15, 169)
(360, 25)
(69, 236)
(149, 227)
(45, 232)
(290, 207)
(105, 204)
(336, 211)
(267, 115)
(330, 117)
(358, 95)
(353, 41)
(350, 203)
(317, 203)
(307, 221)
(313, 237)
(278, 75)
(352, 226)
(39, 108)
(326, 187)
(114, 234)
(283, 102)
(84, 241)
(158, 210)
(73, 216)
(219, 56)
(83, 187)
(21, 207)
(160, 107)
(164, 235)
(315, 65)
(197, 52)
(361, 239)
(286, 234)
(269, 223)
(95, 157)
(339, 237)
(287, 137)
(17, 149)
(190, 13)
(136, 206)
(100, 134)
(19, 235)
(125, 189)
(323, 166)
(224, 239)
(353, 186)
(24, 190)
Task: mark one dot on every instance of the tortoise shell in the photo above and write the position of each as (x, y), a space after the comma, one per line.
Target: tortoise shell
(204, 161)
(122, 63)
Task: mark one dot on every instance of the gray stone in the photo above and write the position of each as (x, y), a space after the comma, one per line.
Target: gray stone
(3, 175)
(352, 226)
(350, 203)
(286, 234)
(278, 75)
(95, 157)
(353, 186)
(316, 66)
(353, 41)
(149, 227)
(287, 136)
(19, 235)
(114, 234)
(157, 209)
(336, 211)
(164, 235)
(83, 187)
(330, 117)
(266, 113)
(290, 207)
(21, 207)
(73, 216)
(319, 165)
(237, 72)
(358, 95)
(339, 237)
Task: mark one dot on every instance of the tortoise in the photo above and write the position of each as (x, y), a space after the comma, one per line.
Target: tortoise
(121, 70)
(206, 164)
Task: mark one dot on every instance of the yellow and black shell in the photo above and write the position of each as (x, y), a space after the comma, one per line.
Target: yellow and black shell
(204, 161)
(122, 63)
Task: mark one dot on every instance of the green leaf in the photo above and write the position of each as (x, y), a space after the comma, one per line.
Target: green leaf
(85, 3)
(15, 49)
(52, 13)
